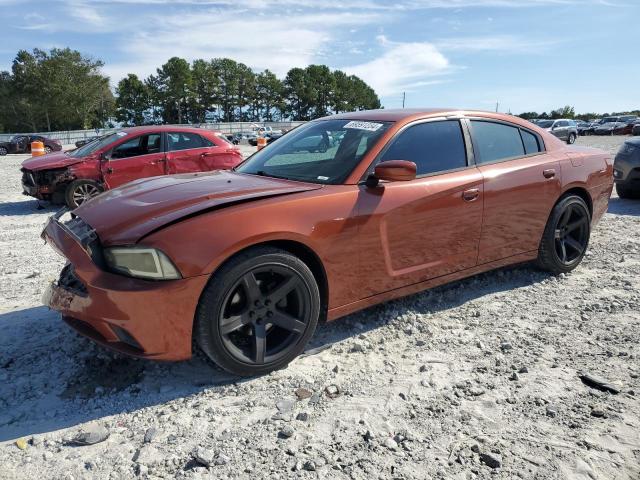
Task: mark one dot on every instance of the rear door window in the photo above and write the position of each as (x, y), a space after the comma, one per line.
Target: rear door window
(496, 141)
(433, 146)
(142, 145)
(185, 141)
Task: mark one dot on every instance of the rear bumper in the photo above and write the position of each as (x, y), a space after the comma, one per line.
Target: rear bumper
(151, 319)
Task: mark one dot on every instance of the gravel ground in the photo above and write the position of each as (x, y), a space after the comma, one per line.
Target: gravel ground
(477, 379)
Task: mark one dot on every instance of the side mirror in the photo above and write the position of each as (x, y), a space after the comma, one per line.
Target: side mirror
(105, 156)
(392, 171)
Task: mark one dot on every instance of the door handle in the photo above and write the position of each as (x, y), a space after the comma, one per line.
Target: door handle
(109, 170)
(549, 173)
(471, 194)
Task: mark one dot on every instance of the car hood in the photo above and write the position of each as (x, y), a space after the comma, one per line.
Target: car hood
(50, 160)
(124, 215)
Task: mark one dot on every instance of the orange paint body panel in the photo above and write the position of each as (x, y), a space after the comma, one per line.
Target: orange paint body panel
(372, 243)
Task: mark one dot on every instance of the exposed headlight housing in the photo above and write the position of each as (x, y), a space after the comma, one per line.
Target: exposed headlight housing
(141, 262)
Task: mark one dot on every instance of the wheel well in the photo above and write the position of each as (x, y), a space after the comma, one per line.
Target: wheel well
(582, 193)
(311, 259)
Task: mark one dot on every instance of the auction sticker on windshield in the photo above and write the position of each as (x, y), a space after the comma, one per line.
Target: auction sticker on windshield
(370, 126)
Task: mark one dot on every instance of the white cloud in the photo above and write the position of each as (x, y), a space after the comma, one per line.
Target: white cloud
(496, 43)
(277, 42)
(402, 67)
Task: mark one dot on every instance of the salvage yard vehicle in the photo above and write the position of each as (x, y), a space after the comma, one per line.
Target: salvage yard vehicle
(22, 144)
(247, 262)
(563, 128)
(611, 128)
(626, 169)
(75, 177)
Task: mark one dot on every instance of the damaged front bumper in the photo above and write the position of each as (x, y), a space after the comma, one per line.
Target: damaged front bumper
(143, 318)
(43, 184)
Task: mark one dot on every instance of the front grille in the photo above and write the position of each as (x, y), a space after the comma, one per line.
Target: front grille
(43, 177)
(70, 281)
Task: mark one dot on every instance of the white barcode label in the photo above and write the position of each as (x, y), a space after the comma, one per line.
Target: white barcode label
(370, 126)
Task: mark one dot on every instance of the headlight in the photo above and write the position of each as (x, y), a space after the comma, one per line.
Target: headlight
(141, 262)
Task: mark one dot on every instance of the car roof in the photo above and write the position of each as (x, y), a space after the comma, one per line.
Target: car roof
(406, 115)
(166, 128)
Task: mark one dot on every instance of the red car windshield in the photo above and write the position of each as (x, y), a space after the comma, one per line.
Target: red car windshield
(97, 144)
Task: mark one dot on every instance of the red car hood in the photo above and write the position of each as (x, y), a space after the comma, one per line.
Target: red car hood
(123, 215)
(50, 161)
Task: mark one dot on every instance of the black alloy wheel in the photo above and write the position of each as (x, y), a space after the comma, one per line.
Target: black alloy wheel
(3, 151)
(258, 311)
(572, 234)
(566, 236)
(265, 312)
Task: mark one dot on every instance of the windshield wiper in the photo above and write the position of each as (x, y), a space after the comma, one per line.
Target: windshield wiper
(262, 173)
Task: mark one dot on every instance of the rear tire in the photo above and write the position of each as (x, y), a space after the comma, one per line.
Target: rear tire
(566, 236)
(47, 150)
(572, 139)
(627, 191)
(3, 151)
(80, 191)
(257, 312)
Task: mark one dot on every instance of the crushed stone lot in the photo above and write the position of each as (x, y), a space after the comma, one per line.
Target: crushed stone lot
(477, 379)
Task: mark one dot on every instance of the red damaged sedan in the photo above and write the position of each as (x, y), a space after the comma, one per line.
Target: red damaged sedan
(132, 153)
(340, 214)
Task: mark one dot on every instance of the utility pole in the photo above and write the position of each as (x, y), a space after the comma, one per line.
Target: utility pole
(497, 104)
(404, 95)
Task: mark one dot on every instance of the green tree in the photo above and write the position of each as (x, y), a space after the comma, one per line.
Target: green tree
(227, 72)
(205, 89)
(133, 100)
(174, 88)
(298, 94)
(268, 96)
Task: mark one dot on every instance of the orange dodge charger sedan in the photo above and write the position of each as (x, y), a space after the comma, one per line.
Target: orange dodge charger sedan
(342, 213)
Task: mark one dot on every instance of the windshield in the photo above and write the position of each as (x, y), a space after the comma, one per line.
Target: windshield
(609, 119)
(325, 151)
(545, 123)
(96, 144)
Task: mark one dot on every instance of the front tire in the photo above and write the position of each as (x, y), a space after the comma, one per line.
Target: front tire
(3, 151)
(566, 236)
(627, 191)
(257, 312)
(572, 139)
(47, 150)
(81, 191)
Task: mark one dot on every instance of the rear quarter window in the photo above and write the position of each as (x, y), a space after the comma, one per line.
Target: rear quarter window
(496, 141)
(531, 143)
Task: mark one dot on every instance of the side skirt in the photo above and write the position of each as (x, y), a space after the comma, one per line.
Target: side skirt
(335, 313)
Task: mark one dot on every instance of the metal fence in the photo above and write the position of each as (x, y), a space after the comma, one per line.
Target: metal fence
(72, 136)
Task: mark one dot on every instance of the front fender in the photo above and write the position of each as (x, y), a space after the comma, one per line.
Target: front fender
(324, 221)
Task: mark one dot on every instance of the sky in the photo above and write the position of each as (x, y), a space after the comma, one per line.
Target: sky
(528, 55)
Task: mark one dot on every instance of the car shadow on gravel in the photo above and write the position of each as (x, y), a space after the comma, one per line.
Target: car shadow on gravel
(26, 207)
(432, 301)
(622, 206)
(52, 378)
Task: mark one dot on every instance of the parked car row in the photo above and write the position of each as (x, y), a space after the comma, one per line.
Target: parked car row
(612, 125)
(22, 144)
